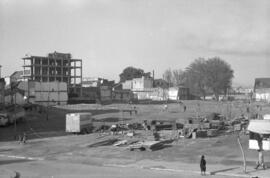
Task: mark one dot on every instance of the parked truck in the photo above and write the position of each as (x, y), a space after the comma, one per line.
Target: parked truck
(10, 114)
(79, 123)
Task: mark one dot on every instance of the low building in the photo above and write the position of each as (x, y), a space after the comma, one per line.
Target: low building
(262, 89)
(138, 84)
(44, 93)
(96, 90)
(122, 96)
(179, 93)
(105, 94)
(155, 94)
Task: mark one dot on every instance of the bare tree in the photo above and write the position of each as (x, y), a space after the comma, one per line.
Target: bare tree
(178, 77)
(168, 77)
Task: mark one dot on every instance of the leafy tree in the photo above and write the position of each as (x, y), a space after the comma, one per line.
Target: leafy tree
(219, 76)
(131, 72)
(196, 79)
(214, 75)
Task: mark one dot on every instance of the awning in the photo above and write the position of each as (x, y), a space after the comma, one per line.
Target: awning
(259, 126)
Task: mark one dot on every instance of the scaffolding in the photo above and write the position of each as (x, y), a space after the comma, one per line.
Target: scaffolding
(55, 67)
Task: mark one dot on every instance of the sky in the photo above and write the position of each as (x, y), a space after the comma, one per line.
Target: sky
(109, 35)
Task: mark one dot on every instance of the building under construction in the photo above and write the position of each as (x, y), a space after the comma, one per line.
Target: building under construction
(56, 67)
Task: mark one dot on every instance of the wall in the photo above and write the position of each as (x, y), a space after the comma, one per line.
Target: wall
(127, 85)
(105, 94)
(2, 91)
(122, 96)
(156, 94)
(45, 93)
(142, 83)
(138, 84)
(17, 98)
(173, 93)
(262, 95)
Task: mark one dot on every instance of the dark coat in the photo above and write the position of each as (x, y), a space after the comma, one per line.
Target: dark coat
(203, 165)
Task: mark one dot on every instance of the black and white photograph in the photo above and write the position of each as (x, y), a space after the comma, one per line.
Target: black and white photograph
(134, 88)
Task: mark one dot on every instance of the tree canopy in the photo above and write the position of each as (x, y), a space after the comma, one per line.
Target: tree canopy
(131, 72)
(212, 75)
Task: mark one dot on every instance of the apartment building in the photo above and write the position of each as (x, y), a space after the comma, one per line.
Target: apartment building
(56, 66)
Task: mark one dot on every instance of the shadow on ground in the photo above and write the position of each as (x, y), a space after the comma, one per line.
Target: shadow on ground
(3, 162)
(223, 170)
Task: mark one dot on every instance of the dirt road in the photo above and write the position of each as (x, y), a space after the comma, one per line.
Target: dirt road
(54, 169)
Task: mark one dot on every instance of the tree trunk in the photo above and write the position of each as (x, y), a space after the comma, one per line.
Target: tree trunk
(243, 154)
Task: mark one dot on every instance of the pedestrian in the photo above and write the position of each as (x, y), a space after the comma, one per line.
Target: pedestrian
(203, 165)
(185, 108)
(260, 160)
(24, 138)
(259, 138)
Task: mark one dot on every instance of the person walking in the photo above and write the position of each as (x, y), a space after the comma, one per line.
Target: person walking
(203, 165)
(185, 108)
(260, 160)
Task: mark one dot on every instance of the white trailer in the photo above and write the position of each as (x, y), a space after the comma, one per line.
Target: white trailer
(79, 122)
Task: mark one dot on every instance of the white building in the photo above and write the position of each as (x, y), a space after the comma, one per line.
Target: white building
(138, 84)
(262, 89)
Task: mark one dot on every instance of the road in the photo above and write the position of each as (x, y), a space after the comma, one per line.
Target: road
(54, 169)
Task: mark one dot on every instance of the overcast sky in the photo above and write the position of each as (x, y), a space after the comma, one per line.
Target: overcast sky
(110, 35)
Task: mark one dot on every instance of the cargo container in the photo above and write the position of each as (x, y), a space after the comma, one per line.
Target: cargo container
(79, 123)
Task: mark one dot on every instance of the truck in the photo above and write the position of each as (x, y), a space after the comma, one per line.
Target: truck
(11, 114)
(79, 123)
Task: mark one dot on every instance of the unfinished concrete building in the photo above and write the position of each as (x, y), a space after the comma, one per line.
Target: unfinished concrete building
(56, 67)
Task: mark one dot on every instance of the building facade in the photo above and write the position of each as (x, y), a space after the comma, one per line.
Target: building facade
(138, 84)
(262, 89)
(58, 67)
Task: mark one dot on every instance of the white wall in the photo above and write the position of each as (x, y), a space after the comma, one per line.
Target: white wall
(173, 93)
(127, 85)
(262, 97)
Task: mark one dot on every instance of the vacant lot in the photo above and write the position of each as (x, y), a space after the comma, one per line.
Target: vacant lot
(89, 149)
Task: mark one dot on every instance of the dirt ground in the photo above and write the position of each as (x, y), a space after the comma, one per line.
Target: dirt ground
(49, 141)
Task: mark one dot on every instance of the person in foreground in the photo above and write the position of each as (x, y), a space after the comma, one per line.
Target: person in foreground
(203, 165)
